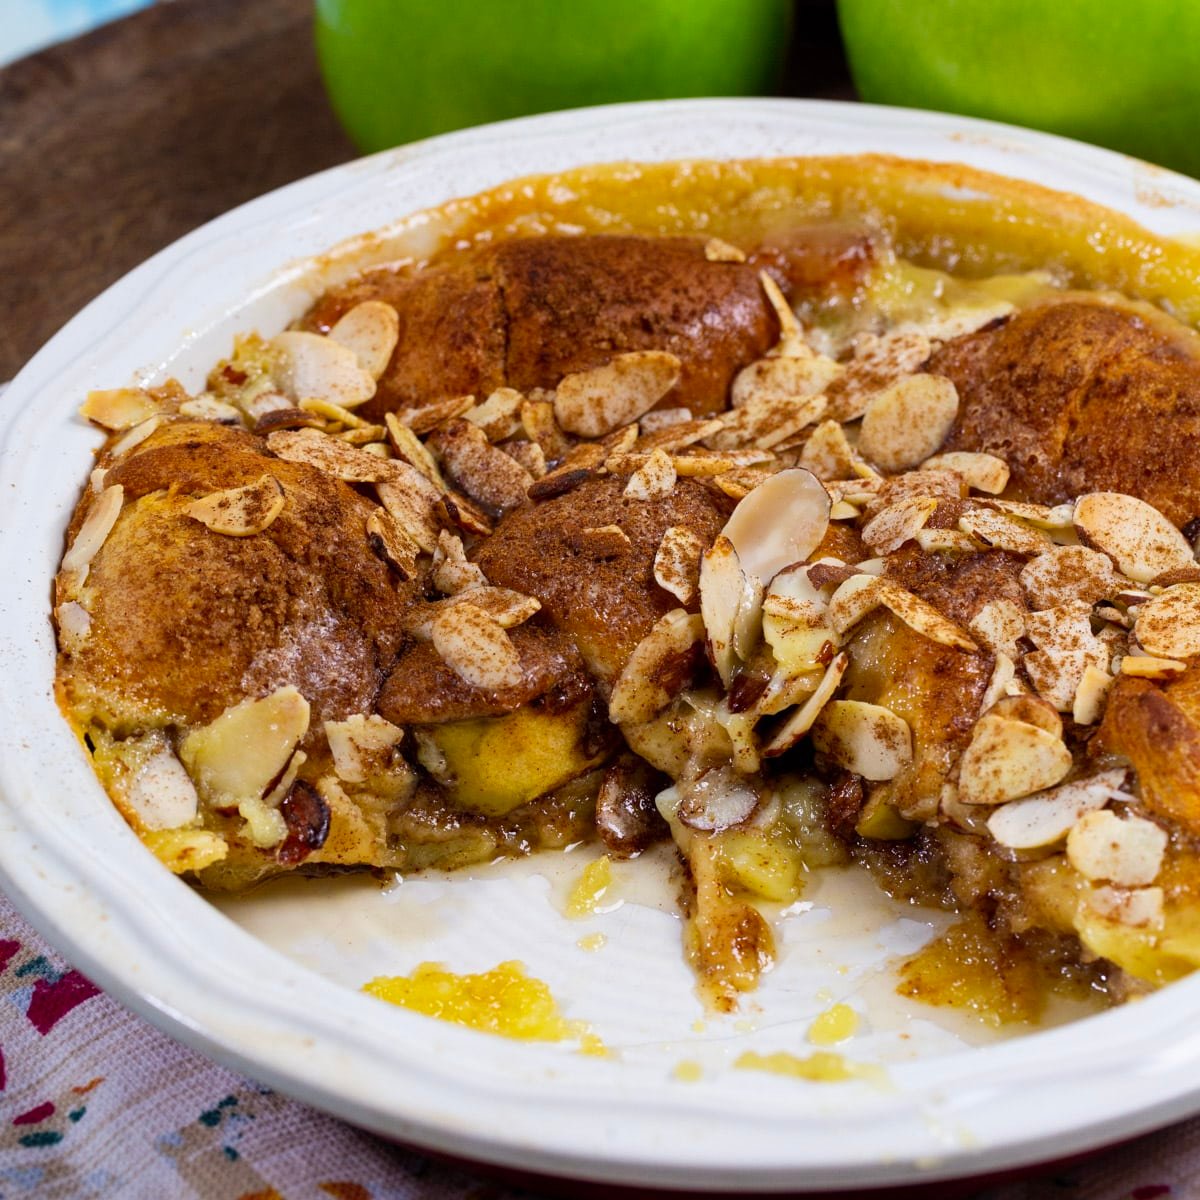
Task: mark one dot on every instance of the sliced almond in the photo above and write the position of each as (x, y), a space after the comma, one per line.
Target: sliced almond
(600, 541)
(677, 563)
(486, 474)
(371, 330)
(792, 343)
(593, 403)
(1003, 678)
(243, 511)
(208, 408)
(102, 516)
(658, 668)
(783, 379)
(853, 600)
(766, 419)
(1040, 516)
(529, 454)
(391, 541)
(717, 800)
(715, 250)
(269, 409)
(722, 583)
(318, 367)
(983, 472)
(1030, 710)
(74, 623)
(1141, 908)
(781, 522)
(452, 573)
(327, 454)
(1001, 531)
(119, 408)
(1065, 575)
(472, 643)
(1126, 851)
(414, 502)
(1090, 695)
(238, 756)
(738, 484)
(462, 511)
(1009, 759)
(502, 605)
(654, 480)
(801, 721)
(828, 453)
(429, 416)
(675, 435)
(1169, 625)
(896, 524)
(410, 448)
(878, 363)
(537, 420)
(862, 594)
(999, 625)
(1137, 537)
(499, 416)
(664, 418)
(161, 793)
(1147, 666)
(359, 744)
(135, 436)
(907, 422)
(866, 739)
(333, 414)
(1066, 647)
(1046, 818)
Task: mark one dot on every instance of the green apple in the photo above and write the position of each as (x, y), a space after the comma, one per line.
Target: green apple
(403, 69)
(1121, 73)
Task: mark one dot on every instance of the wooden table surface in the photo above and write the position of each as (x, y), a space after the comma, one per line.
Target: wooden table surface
(118, 142)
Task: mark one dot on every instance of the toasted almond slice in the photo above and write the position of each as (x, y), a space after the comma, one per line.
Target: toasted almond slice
(941, 484)
(1090, 695)
(841, 511)
(102, 516)
(452, 573)
(119, 408)
(318, 367)
(371, 330)
(600, 541)
(722, 583)
(792, 343)
(391, 541)
(1001, 531)
(1147, 666)
(364, 435)
(867, 739)
(1137, 537)
(983, 472)
(1127, 852)
(161, 793)
(243, 511)
(502, 605)
(1030, 710)
(359, 744)
(499, 416)
(906, 423)
(801, 721)
(789, 380)
(781, 522)
(1141, 908)
(1009, 759)
(537, 420)
(704, 464)
(413, 501)
(135, 437)
(1004, 673)
(677, 563)
(717, 800)
(654, 480)
(998, 625)
(593, 403)
(1066, 647)
(747, 625)
(878, 363)
(208, 408)
(74, 624)
(946, 541)
(740, 482)
(765, 420)
(332, 413)
(330, 456)
(285, 417)
(853, 600)
(663, 418)
(658, 668)
(529, 454)
(676, 435)
(473, 644)
(1040, 516)
(1069, 575)
(1169, 625)
(238, 756)
(716, 250)
(922, 617)
(896, 524)
(1045, 819)
(410, 448)
(462, 511)
(263, 409)
(486, 474)
(828, 453)
(429, 416)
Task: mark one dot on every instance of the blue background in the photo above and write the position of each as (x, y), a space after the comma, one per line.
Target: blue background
(31, 24)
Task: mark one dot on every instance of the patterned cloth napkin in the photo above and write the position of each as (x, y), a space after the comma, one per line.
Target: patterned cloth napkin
(96, 1103)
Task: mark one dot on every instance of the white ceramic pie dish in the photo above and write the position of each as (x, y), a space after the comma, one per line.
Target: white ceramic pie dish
(261, 992)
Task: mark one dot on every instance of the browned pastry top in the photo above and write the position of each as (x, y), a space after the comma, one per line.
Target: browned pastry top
(1079, 395)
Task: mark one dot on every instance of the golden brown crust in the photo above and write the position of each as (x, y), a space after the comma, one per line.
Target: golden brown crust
(1081, 395)
(606, 605)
